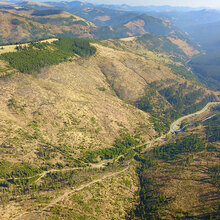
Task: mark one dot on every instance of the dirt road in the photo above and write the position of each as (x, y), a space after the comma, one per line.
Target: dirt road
(66, 194)
(175, 127)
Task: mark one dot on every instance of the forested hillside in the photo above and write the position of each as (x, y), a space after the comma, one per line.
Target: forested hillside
(38, 55)
(207, 69)
(172, 174)
(138, 25)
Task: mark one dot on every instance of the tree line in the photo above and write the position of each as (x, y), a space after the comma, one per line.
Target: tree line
(37, 55)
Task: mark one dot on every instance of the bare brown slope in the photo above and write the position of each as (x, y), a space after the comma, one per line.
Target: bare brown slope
(73, 106)
(9, 32)
(21, 27)
(77, 104)
(129, 73)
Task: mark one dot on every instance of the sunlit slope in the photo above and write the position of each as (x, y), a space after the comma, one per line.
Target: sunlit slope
(71, 124)
(79, 103)
(18, 25)
(70, 104)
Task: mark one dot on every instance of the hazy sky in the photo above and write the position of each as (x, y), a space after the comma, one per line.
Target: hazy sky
(190, 3)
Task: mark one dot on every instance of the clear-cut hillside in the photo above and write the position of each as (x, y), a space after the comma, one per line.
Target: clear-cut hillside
(79, 103)
(72, 104)
(24, 24)
(71, 128)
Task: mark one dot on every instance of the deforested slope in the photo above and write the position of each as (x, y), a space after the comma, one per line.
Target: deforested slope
(24, 24)
(73, 125)
(57, 119)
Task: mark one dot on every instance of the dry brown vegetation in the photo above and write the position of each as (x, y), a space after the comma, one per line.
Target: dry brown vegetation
(110, 198)
(28, 29)
(181, 185)
(63, 101)
(129, 73)
(187, 49)
(73, 107)
(76, 104)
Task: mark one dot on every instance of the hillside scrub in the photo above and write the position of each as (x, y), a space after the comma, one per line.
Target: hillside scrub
(47, 12)
(185, 145)
(24, 169)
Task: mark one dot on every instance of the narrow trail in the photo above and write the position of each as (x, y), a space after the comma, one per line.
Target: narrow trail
(66, 194)
(92, 166)
(43, 174)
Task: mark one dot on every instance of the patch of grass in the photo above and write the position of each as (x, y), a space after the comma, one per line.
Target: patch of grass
(4, 168)
(17, 170)
(212, 148)
(46, 153)
(24, 169)
(41, 198)
(102, 89)
(93, 120)
(14, 105)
